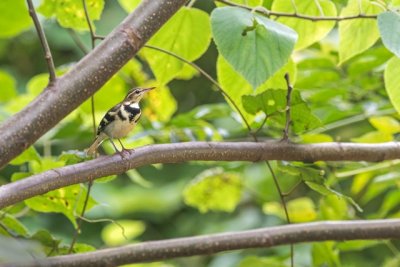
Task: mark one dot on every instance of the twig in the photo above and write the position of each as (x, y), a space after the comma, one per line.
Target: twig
(78, 41)
(288, 105)
(79, 222)
(42, 37)
(269, 13)
(211, 244)
(211, 79)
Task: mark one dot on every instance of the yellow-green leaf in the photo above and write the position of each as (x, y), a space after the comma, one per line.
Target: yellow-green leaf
(14, 18)
(129, 5)
(316, 138)
(122, 232)
(214, 190)
(8, 90)
(385, 124)
(309, 31)
(392, 82)
(374, 137)
(299, 209)
(187, 34)
(357, 35)
(235, 86)
(70, 13)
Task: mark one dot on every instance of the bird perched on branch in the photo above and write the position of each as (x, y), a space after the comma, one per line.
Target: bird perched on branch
(120, 120)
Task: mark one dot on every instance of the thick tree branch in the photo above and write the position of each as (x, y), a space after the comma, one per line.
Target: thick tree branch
(181, 152)
(210, 244)
(85, 78)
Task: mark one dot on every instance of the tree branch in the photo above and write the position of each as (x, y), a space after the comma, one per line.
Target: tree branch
(182, 152)
(85, 78)
(269, 13)
(43, 41)
(210, 244)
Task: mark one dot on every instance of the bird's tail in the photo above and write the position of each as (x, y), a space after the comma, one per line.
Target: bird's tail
(92, 149)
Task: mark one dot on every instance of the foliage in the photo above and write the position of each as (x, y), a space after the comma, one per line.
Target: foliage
(346, 88)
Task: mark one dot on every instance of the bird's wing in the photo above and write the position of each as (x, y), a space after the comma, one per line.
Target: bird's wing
(108, 118)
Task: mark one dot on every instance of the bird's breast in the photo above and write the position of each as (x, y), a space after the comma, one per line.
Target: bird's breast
(119, 128)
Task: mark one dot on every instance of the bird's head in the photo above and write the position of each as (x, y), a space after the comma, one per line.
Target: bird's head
(135, 95)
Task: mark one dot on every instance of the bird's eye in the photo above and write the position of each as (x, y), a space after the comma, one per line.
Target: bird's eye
(137, 92)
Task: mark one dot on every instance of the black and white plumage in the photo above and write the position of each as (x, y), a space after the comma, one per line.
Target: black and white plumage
(120, 120)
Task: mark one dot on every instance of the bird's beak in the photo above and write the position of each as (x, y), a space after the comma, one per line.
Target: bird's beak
(147, 89)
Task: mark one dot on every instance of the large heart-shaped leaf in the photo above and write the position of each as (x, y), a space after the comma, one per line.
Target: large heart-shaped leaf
(389, 27)
(255, 46)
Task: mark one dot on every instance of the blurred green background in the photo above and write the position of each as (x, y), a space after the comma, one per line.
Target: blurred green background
(176, 200)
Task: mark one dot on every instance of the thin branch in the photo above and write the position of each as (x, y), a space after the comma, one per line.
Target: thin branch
(211, 244)
(79, 223)
(288, 105)
(78, 41)
(192, 151)
(89, 23)
(84, 78)
(269, 13)
(208, 77)
(43, 41)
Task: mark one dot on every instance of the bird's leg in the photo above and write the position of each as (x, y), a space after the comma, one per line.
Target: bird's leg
(123, 148)
(119, 140)
(116, 149)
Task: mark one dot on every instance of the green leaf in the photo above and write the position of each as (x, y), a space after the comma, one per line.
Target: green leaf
(333, 207)
(72, 156)
(187, 34)
(12, 225)
(129, 5)
(8, 90)
(392, 82)
(357, 35)
(316, 138)
(161, 105)
(14, 18)
(385, 124)
(299, 209)
(122, 232)
(68, 201)
(374, 137)
(255, 46)
(253, 261)
(273, 104)
(325, 254)
(235, 86)
(70, 13)
(309, 31)
(214, 190)
(29, 154)
(389, 27)
(325, 190)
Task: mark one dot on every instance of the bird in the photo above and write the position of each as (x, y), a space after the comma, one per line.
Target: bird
(120, 119)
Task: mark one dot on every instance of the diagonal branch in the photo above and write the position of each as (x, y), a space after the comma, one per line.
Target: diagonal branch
(43, 41)
(210, 244)
(85, 78)
(191, 151)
